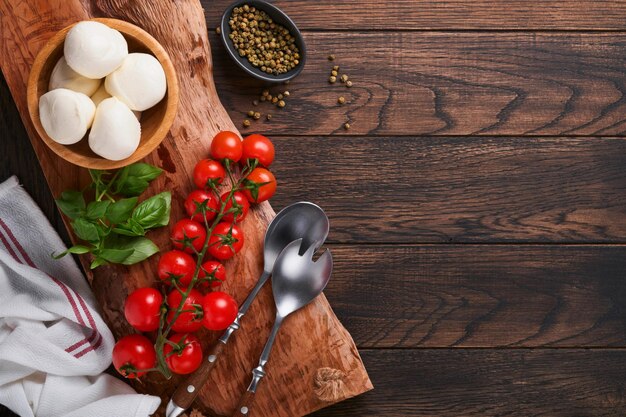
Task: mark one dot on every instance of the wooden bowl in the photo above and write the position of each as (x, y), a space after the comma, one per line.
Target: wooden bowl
(155, 122)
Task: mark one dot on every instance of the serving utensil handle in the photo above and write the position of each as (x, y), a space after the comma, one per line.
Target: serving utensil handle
(187, 392)
(245, 403)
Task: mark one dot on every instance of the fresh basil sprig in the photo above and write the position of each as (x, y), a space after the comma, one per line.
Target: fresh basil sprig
(114, 229)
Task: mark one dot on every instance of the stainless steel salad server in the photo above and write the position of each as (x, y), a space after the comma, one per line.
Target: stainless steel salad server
(296, 281)
(299, 221)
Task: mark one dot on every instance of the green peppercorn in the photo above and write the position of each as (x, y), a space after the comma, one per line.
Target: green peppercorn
(251, 113)
(346, 126)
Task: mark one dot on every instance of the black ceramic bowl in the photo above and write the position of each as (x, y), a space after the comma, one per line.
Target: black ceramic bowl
(279, 17)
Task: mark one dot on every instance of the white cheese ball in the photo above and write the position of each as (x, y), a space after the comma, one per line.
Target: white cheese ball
(115, 132)
(66, 115)
(65, 77)
(139, 81)
(94, 50)
(101, 94)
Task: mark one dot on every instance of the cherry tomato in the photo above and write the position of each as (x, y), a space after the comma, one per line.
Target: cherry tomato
(176, 264)
(241, 205)
(259, 185)
(208, 171)
(216, 269)
(258, 147)
(190, 319)
(190, 230)
(185, 360)
(225, 242)
(198, 197)
(142, 309)
(226, 145)
(220, 310)
(133, 353)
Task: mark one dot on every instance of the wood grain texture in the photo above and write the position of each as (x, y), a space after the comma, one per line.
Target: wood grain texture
(488, 382)
(396, 296)
(181, 29)
(448, 83)
(460, 189)
(392, 15)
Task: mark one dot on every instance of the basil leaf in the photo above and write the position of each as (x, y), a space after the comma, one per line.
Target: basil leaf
(85, 230)
(121, 210)
(116, 256)
(144, 171)
(77, 249)
(141, 248)
(132, 187)
(97, 209)
(97, 262)
(154, 212)
(71, 203)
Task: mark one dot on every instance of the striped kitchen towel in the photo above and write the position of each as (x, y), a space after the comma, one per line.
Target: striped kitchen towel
(54, 346)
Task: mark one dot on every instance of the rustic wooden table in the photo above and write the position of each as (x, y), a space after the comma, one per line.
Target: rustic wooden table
(478, 201)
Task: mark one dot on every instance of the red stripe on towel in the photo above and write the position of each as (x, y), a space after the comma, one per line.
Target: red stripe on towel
(66, 291)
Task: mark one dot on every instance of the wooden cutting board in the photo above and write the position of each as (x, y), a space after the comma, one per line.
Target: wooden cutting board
(310, 340)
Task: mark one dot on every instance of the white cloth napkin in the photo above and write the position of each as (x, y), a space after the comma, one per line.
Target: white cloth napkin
(54, 345)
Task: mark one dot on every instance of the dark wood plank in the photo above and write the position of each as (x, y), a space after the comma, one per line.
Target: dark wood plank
(444, 189)
(449, 83)
(480, 295)
(487, 382)
(449, 14)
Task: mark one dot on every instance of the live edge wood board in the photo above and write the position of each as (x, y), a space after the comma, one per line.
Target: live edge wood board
(310, 340)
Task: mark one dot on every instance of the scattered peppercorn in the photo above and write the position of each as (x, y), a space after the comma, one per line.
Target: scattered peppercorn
(341, 100)
(275, 100)
(268, 117)
(286, 94)
(266, 44)
(336, 68)
(266, 92)
(346, 126)
(348, 83)
(331, 57)
(332, 79)
(263, 98)
(255, 102)
(246, 123)
(281, 103)
(218, 30)
(251, 113)
(333, 73)
(280, 96)
(256, 115)
(344, 78)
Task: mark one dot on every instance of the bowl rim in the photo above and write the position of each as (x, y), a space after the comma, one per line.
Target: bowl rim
(257, 73)
(95, 161)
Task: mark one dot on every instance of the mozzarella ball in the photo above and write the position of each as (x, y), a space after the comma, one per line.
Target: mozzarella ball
(101, 94)
(94, 50)
(66, 115)
(139, 81)
(116, 132)
(65, 77)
